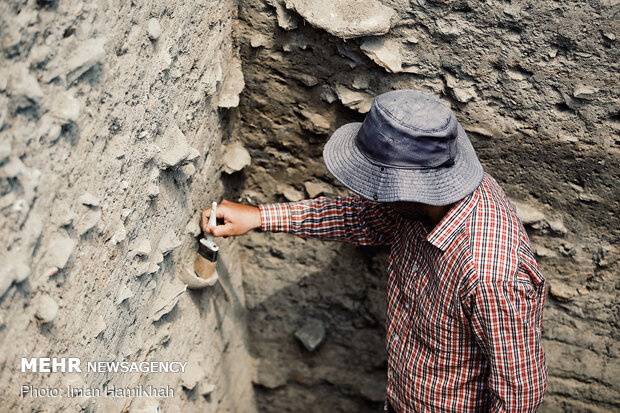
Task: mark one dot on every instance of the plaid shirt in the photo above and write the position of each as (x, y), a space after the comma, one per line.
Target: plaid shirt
(464, 302)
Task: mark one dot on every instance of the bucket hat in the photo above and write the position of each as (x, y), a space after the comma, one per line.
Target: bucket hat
(410, 147)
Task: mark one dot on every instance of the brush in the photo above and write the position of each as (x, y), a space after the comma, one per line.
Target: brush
(206, 259)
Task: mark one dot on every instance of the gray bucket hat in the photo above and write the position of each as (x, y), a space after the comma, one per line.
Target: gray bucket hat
(410, 147)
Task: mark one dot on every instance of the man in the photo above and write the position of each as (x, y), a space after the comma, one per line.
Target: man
(465, 295)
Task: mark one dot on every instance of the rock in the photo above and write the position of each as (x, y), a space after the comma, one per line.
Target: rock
(267, 375)
(154, 29)
(23, 87)
(87, 220)
(141, 247)
(235, 158)
(258, 40)
(464, 95)
(358, 101)
(59, 250)
(585, 92)
(89, 199)
(169, 242)
(232, 86)
(188, 170)
(145, 405)
(167, 300)
(557, 226)
(14, 270)
(125, 212)
(123, 294)
(290, 193)
(14, 168)
(328, 95)
(346, 18)
(385, 53)
(285, 20)
(192, 375)
(98, 326)
(152, 191)
(65, 108)
(318, 124)
(562, 292)
(5, 152)
(206, 388)
(609, 36)
(39, 55)
(305, 79)
(87, 55)
(315, 189)
(119, 235)
(528, 214)
(311, 334)
(173, 147)
(46, 309)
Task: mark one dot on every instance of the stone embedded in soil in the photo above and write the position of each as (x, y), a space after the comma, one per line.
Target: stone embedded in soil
(267, 375)
(358, 101)
(89, 199)
(384, 52)
(311, 334)
(562, 292)
(346, 18)
(87, 220)
(585, 92)
(192, 375)
(59, 250)
(285, 20)
(46, 309)
(123, 294)
(232, 86)
(141, 247)
(167, 300)
(154, 29)
(235, 158)
(315, 189)
(168, 242)
(5, 152)
(464, 95)
(173, 147)
(528, 214)
(65, 108)
(290, 193)
(13, 270)
(318, 124)
(23, 87)
(87, 55)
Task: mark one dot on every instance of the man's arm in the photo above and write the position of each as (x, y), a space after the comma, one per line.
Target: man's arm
(351, 219)
(506, 318)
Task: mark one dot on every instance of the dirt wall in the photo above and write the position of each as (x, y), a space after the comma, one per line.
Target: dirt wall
(532, 83)
(111, 120)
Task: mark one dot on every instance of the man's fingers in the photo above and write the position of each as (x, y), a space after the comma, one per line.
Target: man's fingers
(222, 230)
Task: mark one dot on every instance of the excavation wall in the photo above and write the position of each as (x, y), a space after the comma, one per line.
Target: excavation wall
(112, 115)
(533, 83)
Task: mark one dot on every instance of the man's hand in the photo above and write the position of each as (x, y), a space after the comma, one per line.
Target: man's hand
(238, 219)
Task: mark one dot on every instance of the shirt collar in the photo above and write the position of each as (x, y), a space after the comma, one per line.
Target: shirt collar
(448, 227)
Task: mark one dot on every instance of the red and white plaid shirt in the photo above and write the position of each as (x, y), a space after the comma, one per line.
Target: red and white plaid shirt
(464, 302)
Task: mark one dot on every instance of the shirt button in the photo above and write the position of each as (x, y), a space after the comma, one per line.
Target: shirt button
(414, 268)
(407, 306)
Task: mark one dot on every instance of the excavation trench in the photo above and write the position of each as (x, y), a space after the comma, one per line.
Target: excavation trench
(115, 125)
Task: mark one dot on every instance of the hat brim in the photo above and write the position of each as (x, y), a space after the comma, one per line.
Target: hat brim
(433, 186)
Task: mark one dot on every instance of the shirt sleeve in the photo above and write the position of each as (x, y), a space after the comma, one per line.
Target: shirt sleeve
(506, 319)
(350, 219)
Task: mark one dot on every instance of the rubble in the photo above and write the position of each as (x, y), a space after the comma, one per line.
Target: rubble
(154, 29)
(346, 18)
(46, 309)
(358, 101)
(59, 250)
(23, 87)
(315, 189)
(384, 52)
(87, 55)
(235, 158)
(312, 334)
